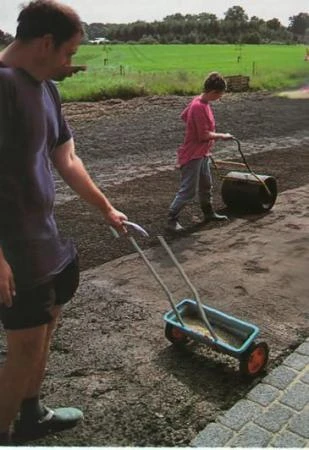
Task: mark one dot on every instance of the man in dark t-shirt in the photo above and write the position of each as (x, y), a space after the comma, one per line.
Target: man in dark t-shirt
(38, 269)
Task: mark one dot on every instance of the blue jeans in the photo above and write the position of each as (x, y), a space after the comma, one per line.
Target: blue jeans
(195, 179)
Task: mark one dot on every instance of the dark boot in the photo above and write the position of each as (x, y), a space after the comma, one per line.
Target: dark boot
(173, 225)
(210, 214)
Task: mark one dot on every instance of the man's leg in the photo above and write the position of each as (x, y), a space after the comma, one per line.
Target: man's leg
(37, 420)
(35, 382)
(31, 407)
(25, 347)
(62, 290)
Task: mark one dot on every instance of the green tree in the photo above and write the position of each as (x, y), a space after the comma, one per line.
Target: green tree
(274, 24)
(148, 39)
(235, 24)
(96, 30)
(236, 14)
(5, 38)
(205, 28)
(299, 24)
(251, 38)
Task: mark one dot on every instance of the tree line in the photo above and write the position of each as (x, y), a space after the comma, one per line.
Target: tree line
(203, 28)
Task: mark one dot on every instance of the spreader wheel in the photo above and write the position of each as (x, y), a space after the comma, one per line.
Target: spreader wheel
(254, 360)
(175, 335)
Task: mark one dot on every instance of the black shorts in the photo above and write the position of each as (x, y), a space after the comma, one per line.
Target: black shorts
(31, 307)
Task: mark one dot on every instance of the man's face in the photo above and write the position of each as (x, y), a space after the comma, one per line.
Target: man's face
(58, 59)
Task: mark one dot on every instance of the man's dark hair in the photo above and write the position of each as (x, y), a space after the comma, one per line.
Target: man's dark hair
(42, 17)
(214, 82)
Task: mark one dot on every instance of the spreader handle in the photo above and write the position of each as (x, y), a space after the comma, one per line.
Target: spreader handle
(148, 263)
(136, 227)
(130, 224)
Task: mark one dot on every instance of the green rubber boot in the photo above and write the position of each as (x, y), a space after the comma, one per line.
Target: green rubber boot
(51, 422)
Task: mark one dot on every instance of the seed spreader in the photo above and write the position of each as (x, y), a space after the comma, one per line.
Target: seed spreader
(189, 319)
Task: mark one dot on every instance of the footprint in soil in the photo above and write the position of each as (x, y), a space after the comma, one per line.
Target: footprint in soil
(253, 266)
(241, 290)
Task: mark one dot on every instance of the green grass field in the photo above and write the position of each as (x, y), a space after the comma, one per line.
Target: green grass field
(131, 70)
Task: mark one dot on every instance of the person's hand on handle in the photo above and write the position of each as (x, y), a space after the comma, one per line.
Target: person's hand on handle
(116, 219)
(212, 135)
(226, 136)
(7, 285)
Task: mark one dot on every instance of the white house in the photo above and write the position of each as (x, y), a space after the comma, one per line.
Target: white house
(99, 40)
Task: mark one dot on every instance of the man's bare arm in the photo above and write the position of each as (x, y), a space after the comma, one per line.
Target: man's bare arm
(74, 173)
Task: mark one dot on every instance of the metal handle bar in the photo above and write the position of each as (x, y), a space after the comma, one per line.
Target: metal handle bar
(193, 289)
(143, 232)
(241, 154)
(250, 170)
(262, 182)
(159, 279)
(131, 224)
(136, 227)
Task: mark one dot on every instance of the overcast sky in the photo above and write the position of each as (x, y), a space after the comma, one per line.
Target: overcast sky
(124, 11)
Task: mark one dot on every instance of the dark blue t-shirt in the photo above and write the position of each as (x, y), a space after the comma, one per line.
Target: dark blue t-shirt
(31, 127)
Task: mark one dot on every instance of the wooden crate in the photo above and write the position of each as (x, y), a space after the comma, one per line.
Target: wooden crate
(237, 83)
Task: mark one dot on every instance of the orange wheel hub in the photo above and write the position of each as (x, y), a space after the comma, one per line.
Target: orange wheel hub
(256, 360)
(177, 334)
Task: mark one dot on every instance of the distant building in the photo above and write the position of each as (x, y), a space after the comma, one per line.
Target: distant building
(99, 40)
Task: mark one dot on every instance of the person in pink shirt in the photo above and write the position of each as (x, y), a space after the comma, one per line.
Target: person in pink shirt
(193, 156)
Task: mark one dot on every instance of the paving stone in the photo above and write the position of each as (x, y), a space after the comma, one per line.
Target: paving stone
(274, 418)
(299, 424)
(303, 348)
(240, 414)
(296, 396)
(305, 378)
(296, 361)
(251, 436)
(280, 377)
(214, 435)
(275, 413)
(288, 440)
(263, 394)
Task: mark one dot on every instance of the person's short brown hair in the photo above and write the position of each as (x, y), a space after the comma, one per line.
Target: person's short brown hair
(41, 17)
(214, 82)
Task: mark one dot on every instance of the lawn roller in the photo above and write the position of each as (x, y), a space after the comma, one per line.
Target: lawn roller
(190, 320)
(246, 191)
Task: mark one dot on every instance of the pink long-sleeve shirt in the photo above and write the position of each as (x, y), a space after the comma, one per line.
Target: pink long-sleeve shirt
(199, 119)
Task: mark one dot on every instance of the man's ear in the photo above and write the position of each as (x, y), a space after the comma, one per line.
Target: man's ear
(47, 43)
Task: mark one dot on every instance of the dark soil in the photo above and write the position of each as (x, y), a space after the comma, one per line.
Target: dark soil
(137, 141)
(110, 356)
